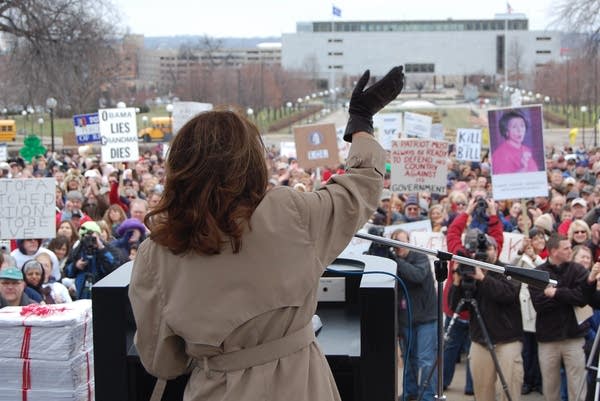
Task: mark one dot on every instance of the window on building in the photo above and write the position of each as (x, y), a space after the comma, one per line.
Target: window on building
(419, 68)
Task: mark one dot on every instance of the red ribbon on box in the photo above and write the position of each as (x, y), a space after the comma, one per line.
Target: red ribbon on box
(43, 311)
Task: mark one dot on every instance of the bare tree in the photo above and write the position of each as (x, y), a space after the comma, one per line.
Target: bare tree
(62, 48)
(516, 54)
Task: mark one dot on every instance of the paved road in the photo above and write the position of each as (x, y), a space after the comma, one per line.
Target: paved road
(555, 136)
(456, 390)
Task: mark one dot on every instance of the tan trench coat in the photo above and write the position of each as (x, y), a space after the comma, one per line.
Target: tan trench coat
(242, 322)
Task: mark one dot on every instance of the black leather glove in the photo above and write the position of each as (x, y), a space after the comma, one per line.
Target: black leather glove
(366, 103)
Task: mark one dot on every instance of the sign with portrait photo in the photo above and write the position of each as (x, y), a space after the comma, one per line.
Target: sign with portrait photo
(316, 146)
(517, 153)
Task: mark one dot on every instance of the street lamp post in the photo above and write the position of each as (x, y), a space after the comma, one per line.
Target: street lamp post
(547, 102)
(583, 110)
(169, 109)
(51, 105)
(24, 114)
(41, 124)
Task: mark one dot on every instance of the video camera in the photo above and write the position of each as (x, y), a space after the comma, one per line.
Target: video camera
(89, 246)
(477, 249)
(378, 249)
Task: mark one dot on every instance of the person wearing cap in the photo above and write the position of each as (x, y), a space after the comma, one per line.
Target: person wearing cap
(12, 287)
(384, 211)
(412, 210)
(29, 248)
(4, 170)
(91, 259)
(578, 211)
(130, 233)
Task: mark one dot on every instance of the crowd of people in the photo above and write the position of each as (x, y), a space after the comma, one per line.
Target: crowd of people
(541, 337)
(100, 210)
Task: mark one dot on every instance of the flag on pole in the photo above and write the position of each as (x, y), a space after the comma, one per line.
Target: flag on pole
(509, 9)
(337, 12)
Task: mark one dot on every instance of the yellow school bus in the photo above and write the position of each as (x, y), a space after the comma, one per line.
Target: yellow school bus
(8, 130)
(160, 129)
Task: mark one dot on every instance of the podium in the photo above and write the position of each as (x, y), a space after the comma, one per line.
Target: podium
(358, 337)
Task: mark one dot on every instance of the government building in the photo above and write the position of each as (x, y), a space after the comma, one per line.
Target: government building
(437, 53)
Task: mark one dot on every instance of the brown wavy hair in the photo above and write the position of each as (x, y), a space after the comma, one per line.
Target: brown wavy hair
(216, 176)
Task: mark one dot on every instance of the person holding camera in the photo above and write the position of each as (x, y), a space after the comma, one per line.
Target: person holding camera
(415, 271)
(499, 314)
(91, 259)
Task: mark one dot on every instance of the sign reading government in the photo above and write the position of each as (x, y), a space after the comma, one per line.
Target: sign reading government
(419, 165)
(118, 130)
(27, 208)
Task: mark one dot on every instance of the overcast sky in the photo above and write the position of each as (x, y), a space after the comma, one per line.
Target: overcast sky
(250, 18)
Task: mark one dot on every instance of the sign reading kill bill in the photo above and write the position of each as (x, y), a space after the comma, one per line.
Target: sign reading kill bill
(419, 165)
(316, 146)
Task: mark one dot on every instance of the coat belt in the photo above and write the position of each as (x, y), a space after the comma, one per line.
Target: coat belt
(259, 354)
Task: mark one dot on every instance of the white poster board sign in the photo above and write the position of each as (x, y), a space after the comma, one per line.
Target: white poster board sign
(437, 131)
(118, 131)
(28, 208)
(3, 152)
(184, 111)
(417, 125)
(343, 146)
(468, 144)
(512, 243)
(387, 128)
(517, 153)
(287, 148)
(419, 165)
(359, 246)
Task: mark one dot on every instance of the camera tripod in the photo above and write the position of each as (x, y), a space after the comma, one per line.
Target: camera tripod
(468, 300)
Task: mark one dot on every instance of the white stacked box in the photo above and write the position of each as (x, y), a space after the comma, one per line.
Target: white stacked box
(46, 352)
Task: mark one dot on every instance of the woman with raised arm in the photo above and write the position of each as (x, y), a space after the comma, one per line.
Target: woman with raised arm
(226, 285)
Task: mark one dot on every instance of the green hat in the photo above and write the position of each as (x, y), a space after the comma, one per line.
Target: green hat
(89, 226)
(11, 273)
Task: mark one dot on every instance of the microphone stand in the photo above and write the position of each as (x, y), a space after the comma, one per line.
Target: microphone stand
(531, 277)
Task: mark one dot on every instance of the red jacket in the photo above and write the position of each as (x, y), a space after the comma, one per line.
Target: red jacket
(454, 241)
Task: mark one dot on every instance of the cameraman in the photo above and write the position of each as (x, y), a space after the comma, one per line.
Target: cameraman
(415, 270)
(498, 303)
(91, 259)
(458, 337)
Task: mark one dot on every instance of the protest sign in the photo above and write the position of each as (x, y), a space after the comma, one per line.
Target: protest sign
(316, 146)
(416, 125)
(517, 153)
(387, 128)
(86, 128)
(419, 165)
(510, 248)
(3, 152)
(468, 144)
(28, 208)
(287, 149)
(118, 131)
(184, 111)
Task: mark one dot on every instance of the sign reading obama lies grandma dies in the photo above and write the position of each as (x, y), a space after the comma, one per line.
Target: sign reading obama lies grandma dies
(118, 131)
(27, 208)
